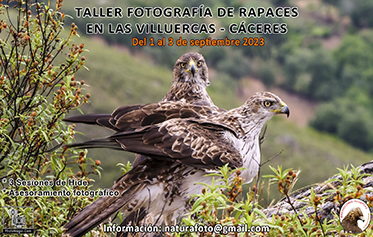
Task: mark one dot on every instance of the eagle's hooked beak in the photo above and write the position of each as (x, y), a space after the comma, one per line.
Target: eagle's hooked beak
(283, 110)
(192, 67)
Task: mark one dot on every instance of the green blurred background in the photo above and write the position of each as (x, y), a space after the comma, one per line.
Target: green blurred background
(322, 68)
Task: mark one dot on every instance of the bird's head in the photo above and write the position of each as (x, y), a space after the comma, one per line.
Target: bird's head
(191, 68)
(265, 105)
(357, 214)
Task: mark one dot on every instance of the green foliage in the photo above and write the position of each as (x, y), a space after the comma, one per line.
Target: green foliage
(367, 77)
(311, 72)
(349, 117)
(280, 2)
(351, 181)
(307, 149)
(353, 59)
(125, 167)
(340, 117)
(354, 52)
(286, 179)
(267, 76)
(361, 14)
(214, 207)
(327, 117)
(35, 94)
(356, 129)
(234, 64)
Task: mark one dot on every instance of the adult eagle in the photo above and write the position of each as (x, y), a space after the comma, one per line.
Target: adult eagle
(190, 79)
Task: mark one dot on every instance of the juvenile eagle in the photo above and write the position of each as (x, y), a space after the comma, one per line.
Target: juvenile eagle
(349, 223)
(183, 150)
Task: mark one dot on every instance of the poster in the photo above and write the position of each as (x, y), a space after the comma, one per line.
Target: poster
(191, 87)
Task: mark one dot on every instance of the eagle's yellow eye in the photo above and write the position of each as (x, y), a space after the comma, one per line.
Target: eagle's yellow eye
(199, 63)
(182, 65)
(267, 103)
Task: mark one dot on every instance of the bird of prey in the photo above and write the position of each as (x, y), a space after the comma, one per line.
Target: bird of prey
(183, 150)
(349, 223)
(190, 79)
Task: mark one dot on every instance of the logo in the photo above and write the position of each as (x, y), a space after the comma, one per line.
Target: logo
(354, 216)
(18, 220)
